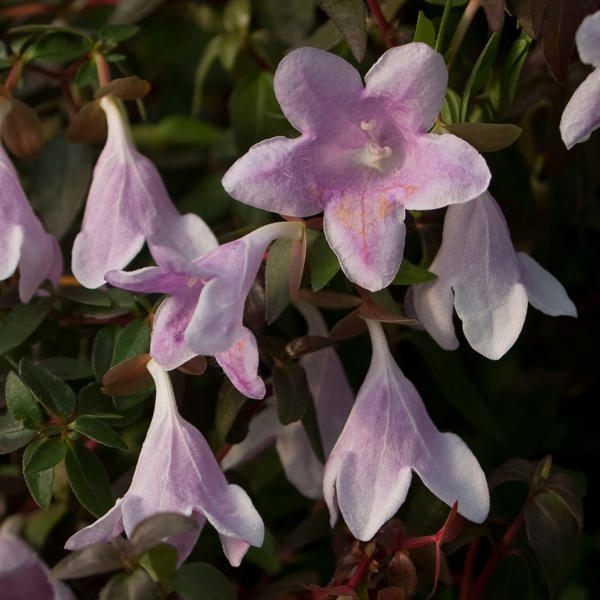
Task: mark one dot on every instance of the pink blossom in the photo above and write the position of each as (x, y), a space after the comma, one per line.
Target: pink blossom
(204, 311)
(389, 435)
(582, 114)
(364, 156)
(177, 472)
(333, 398)
(23, 242)
(128, 205)
(487, 282)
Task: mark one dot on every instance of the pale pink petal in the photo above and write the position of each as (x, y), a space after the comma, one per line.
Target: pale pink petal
(11, 242)
(314, 87)
(234, 549)
(588, 40)
(410, 81)
(240, 364)
(149, 280)
(440, 170)
(273, 175)
(104, 529)
(581, 116)
(38, 260)
(366, 231)
(544, 291)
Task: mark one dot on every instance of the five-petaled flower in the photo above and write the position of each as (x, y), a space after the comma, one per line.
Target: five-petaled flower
(364, 155)
(23, 242)
(203, 314)
(582, 114)
(387, 436)
(333, 399)
(128, 205)
(489, 284)
(178, 473)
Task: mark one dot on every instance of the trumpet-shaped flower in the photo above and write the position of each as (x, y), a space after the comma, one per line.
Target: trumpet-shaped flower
(23, 243)
(128, 205)
(582, 114)
(24, 575)
(333, 398)
(389, 435)
(488, 283)
(177, 472)
(204, 311)
(364, 155)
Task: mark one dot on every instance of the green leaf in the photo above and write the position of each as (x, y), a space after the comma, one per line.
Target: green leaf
(56, 396)
(230, 422)
(22, 403)
(311, 427)
(12, 434)
(554, 536)
(265, 557)
(160, 562)
(210, 54)
(254, 111)
(82, 295)
(452, 107)
(201, 581)
(486, 137)
(96, 429)
(323, 262)
(21, 322)
(102, 350)
(440, 40)
(277, 284)
(134, 586)
(117, 33)
(67, 368)
(88, 479)
(153, 530)
(177, 130)
(292, 393)
(424, 30)
(513, 64)
(45, 455)
(41, 523)
(349, 17)
(132, 340)
(93, 560)
(409, 274)
(58, 47)
(292, 20)
(91, 401)
(39, 483)
(86, 74)
(236, 16)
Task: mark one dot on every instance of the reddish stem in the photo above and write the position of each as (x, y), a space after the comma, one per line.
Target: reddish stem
(359, 573)
(103, 69)
(467, 574)
(382, 23)
(13, 76)
(27, 10)
(497, 555)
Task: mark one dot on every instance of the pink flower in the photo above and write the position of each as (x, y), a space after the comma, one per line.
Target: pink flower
(177, 472)
(582, 114)
(24, 575)
(128, 205)
(204, 311)
(389, 435)
(333, 398)
(488, 283)
(364, 156)
(23, 242)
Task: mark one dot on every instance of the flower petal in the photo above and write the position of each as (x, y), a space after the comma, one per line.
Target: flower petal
(411, 82)
(581, 116)
(441, 170)
(11, 242)
(150, 280)
(588, 40)
(240, 364)
(313, 87)
(271, 176)
(38, 260)
(366, 231)
(104, 529)
(544, 291)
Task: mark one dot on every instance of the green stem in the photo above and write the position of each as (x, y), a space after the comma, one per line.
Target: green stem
(461, 29)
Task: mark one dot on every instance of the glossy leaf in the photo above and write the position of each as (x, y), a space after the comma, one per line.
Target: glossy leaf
(21, 322)
(324, 264)
(39, 483)
(349, 17)
(102, 350)
(45, 455)
(95, 429)
(22, 402)
(93, 560)
(160, 562)
(68, 368)
(13, 435)
(408, 274)
(201, 581)
(290, 387)
(132, 340)
(59, 47)
(424, 30)
(277, 282)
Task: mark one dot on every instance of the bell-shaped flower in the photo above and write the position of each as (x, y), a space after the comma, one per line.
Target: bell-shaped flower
(204, 311)
(389, 435)
(333, 399)
(487, 282)
(23, 575)
(178, 473)
(23, 242)
(582, 114)
(128, 205)
(364, 156)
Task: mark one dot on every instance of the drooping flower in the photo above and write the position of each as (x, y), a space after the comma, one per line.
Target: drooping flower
(204, 311)
(333, 399)
(389, 435)
(24, 575)
(23, 242)
(178, 473)
(128, 205)
(582, 114)
(487, 282)
(364, 156)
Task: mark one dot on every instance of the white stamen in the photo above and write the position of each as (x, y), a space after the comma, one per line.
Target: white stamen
(192, 281)
(368, 124)
(378, 152)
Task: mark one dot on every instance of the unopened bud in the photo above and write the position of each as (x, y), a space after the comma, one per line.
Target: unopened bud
(89, 124)
(125, 88)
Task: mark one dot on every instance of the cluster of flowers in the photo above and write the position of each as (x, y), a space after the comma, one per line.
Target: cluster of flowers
(363, 158)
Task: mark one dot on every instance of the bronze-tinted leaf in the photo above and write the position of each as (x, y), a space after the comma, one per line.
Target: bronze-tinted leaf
(89, 124)
(126, 88)
(127, 377)
(21, 130)
(486, 137)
